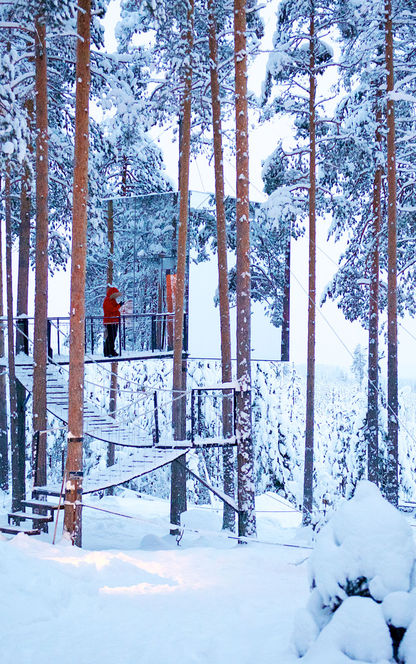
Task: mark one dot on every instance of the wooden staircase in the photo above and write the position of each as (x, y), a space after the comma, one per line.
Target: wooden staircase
(41, 513)
(97, 423)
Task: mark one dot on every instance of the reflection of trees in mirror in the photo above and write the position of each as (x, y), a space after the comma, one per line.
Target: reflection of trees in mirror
(269, 246)
(144, 249)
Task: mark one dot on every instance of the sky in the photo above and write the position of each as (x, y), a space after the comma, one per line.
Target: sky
(336, 338)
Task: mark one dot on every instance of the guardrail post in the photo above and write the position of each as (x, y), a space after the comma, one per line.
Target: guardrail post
(156, 416)
(22, 336)
(49, 332)
(192, 416)
(199, 406)
(234, 411)
(163, 334)
(185, 333)
(153, 333)
(58, 335)
(92, 335)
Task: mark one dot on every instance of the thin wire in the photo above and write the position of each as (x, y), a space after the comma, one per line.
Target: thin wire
(378, 390)
(183, 529)
(371, 297)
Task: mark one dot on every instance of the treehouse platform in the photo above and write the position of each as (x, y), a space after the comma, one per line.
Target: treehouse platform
(139, 337)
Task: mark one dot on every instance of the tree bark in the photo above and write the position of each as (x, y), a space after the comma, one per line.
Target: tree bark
(178, 473)
(228, 521)
(114, 365)
(245, 452)
(110, 239)
(392, 484)
(73, 510)
(24, 243)
(18, 484)
(22, 329)
(285, 340)
(4, 460)
(41, 253)
(310, 378)
(373, 313)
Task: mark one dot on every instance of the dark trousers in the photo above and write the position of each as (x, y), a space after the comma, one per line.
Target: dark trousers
(109, 340)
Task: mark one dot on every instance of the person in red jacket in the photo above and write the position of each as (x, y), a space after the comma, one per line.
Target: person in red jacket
(111, 320)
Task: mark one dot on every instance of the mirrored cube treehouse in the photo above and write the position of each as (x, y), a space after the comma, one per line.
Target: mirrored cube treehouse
(132, 244)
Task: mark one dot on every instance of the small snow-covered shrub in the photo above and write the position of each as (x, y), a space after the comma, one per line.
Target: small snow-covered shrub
(362, 606)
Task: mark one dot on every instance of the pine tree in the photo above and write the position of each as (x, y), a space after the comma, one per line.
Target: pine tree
(299, 57)
(72, 520)
(223, 295)
(361, 136)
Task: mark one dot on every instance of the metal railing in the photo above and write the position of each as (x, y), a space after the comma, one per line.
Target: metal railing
(210, 424)
(136, 333)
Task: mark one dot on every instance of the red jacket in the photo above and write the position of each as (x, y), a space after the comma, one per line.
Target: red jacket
(111, 307)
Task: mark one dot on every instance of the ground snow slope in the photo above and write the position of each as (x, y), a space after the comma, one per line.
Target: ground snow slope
(132, 595)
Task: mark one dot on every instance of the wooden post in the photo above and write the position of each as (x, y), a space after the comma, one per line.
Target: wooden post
(41, 254)
(310, 378)
(392, 485)
(245, 453)
(178, 473)
(73, 493)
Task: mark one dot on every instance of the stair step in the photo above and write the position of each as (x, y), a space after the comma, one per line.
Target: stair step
(42, 503)
(15, 530)
(45, 491)
(44, 518)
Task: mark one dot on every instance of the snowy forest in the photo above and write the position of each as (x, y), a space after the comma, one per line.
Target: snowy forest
(160, 506)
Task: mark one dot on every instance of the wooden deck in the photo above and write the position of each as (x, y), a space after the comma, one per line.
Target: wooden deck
(127, 356)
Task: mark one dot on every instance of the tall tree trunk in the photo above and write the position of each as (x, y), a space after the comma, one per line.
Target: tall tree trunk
(18, 484)
(285, 341)
(24, 240)
(392, 485)
(73, 510)
(310, 378)
(228, 521)
(22, 329)
(4, 460)
(41, 260)
(110, 239)
(114, 365)
(372, 395)
(178, 473)
(245, 452)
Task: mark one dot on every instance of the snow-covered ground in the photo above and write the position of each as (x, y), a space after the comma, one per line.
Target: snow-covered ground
(133, 595)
